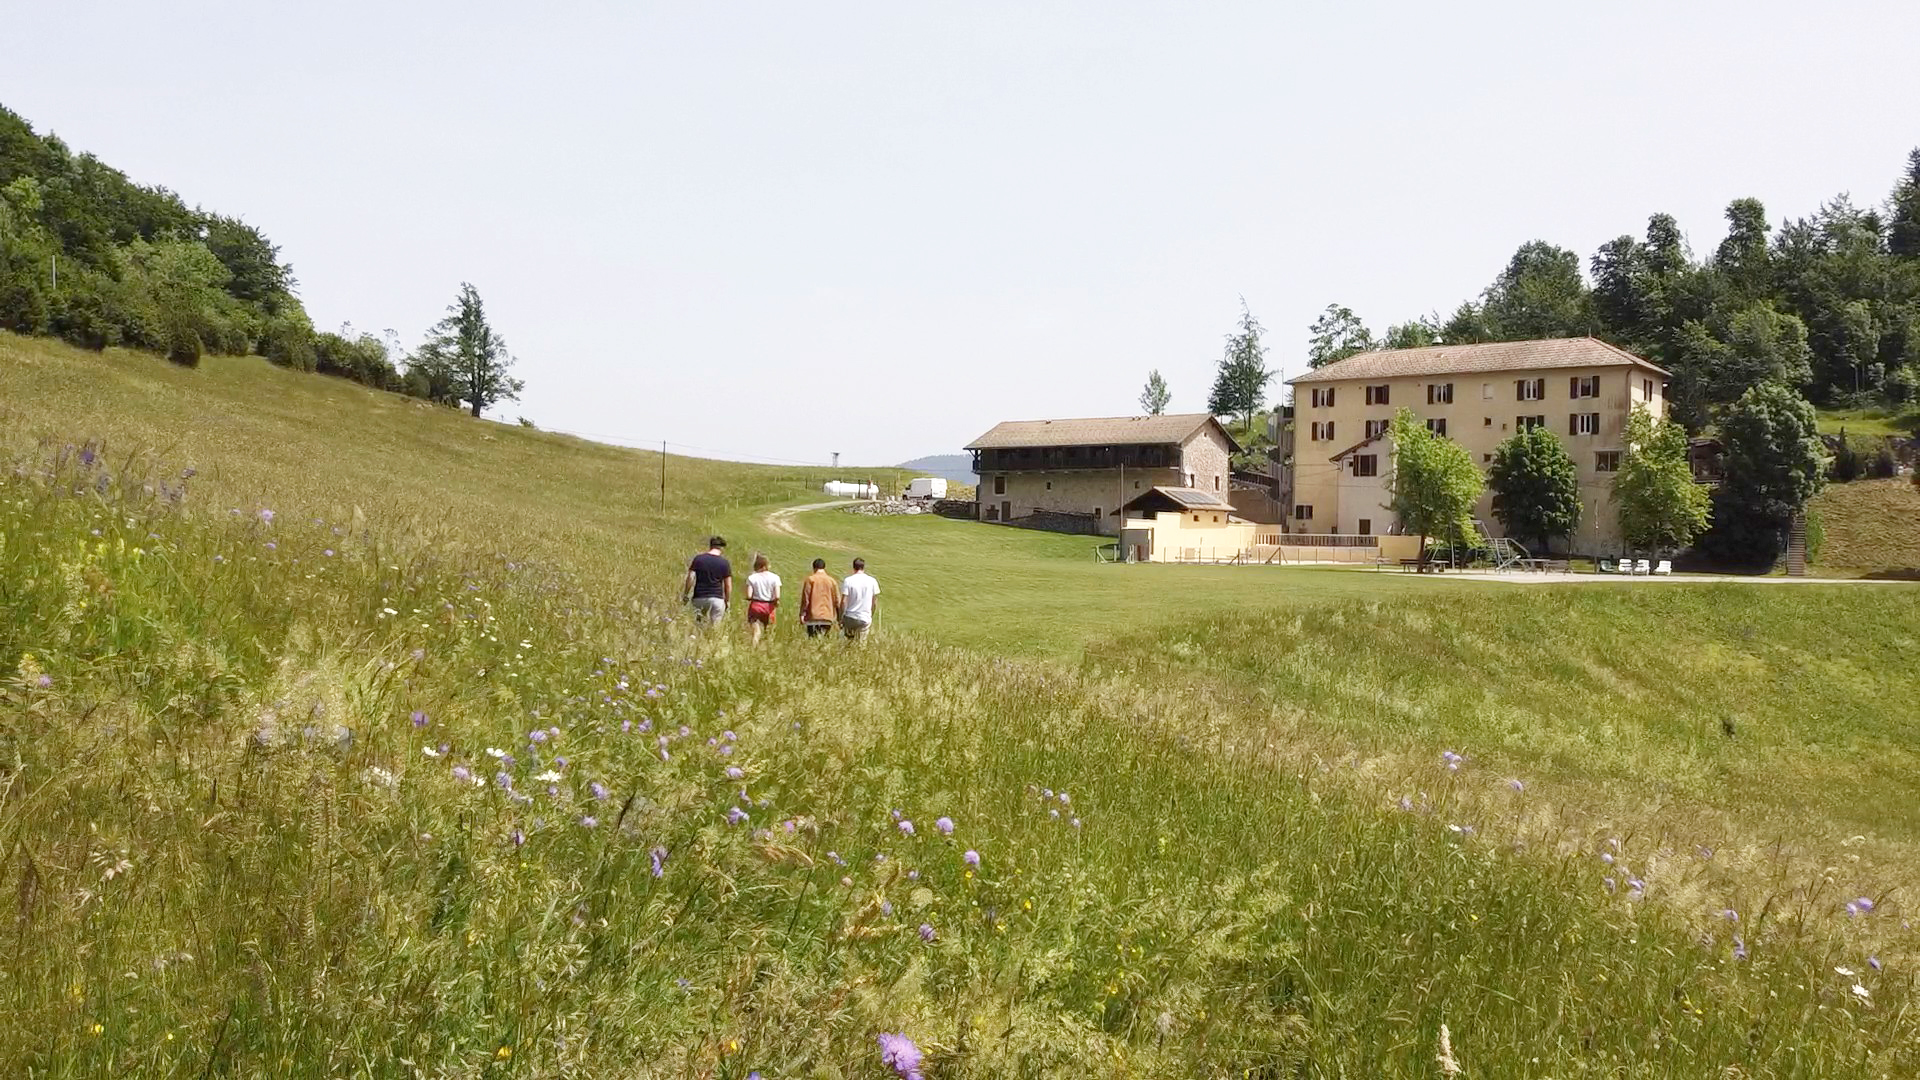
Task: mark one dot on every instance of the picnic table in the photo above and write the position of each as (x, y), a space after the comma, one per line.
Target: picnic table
(1422, 566)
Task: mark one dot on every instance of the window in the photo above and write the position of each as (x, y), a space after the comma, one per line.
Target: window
(1529, 389)
(1049, 485)
(1583, 423)
(1646, 388)
(1323, 397)
(1216, 519)
(1303, 512)
(1322, 431)
(1486, 421)
(1484, 458)
(1440, 393)
(1583, 386)
(1438, 425)
(1366, 464)
(1528, 423)
(1486, 391)
(1190, 475)
(999, 485)
(1606, 461)
(1096, 513)
(1136, 485)
(1376, 428)
(1377, 395)
(1366, 526)
(1216, 483)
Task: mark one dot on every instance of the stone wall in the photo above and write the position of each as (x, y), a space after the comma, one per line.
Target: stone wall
(1206, 458)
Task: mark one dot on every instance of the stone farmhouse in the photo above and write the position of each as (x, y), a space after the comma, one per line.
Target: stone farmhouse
(1581, 389)
(1076, 475)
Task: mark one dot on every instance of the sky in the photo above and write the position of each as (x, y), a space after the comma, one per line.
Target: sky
(780, 231)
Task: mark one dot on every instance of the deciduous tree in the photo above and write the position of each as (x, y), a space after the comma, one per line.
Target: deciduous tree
(1337, 334)
(1153, 399)
(1434, 483)
(1660, 506)
(1538, 486)
(1774, 463)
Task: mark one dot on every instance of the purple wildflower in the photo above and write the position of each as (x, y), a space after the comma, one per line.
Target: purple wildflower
(519, 838)
(536, 736)
(1730, 915)
(44, 682)
(271, 546)
(599, 790)
(419, 718)
(1873, 962)
(685, 731)
(926, 932)
(659, 857)
(837, 860)
(461, 773)
(1865, 903)
(900, 1053)
(589, 822)
(734, 772)
(1075, 823)
(1739, 948)
(1516, 785)
(971, 858)
(735, 815)
(886, 908)
(728, 735)
(945, 825)
(266, 516)
(328, 553)
(906, 827)
(505, 781)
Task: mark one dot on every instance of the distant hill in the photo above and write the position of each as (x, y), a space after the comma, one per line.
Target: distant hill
(957, 468)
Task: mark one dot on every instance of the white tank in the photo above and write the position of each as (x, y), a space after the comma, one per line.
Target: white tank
(841, 490)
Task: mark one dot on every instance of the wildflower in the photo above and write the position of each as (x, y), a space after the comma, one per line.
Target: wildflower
(659, 857)
(1046, 793)
(536, 736)
(589, 822)
(1451, 759)
(271, 546)
(43, 682)
(971, 857)
(1075, 823)
(1609, 883)
(1636, 885)
(1864, 903)
(1739, 948)
(599, 790)
(1846, 971)
(837, 860)
(429, 751)
(728, 735)
(496, 752)
(503, 1053)
(1406, 804)
(1873, 962)
(419, 718)
(906, 827)
(735, 815)
(266, 516)
(328, 553)
(548, 777)
(945, 825)
(926, 932)
(900, 1053)
(886, 908)
(1860, 992)
(734, 772)
(1053, 813)
(1064, 800)
(505, 781)
(685, 731)
(1730, 915)
(1516, 785)
(1607, 857)
(519, 838)
(460, 772)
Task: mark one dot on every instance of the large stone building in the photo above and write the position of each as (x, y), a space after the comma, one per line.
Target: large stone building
(1580, 389)
(1079, 473)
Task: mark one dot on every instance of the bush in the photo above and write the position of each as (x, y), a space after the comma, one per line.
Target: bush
(1882, 466)
(1846, 462)
(183, 345)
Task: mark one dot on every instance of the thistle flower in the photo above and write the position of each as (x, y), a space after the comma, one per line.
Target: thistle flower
(945, 825)
(906, 827)
(900, 1054)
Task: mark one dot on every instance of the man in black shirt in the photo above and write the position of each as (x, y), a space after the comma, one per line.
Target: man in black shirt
(709, 585)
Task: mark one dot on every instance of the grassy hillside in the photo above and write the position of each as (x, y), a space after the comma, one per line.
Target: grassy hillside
(449, 787)
(1877, 421)
(1871, 525)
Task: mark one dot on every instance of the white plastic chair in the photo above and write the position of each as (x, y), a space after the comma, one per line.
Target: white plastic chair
(1665, 567)
(1643, 567)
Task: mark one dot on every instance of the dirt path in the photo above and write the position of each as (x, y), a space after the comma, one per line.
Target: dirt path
(781, 521)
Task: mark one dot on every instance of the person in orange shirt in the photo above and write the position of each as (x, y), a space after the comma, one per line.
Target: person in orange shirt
(819, 600)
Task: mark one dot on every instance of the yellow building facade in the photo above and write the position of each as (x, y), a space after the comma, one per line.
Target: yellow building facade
(1581, 389)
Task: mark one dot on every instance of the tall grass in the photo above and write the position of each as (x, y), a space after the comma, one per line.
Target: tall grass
(287, 795)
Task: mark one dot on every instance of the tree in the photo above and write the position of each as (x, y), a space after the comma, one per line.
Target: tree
(1742, 257)
(1903, 212)
(1774, 463)
(1241, 385)
(1434, 483)
(1539, 295)
(1153, 399)
(1417, 334)
(1337, 334)
(1660, 506)
(464, 359)
(1538, 486)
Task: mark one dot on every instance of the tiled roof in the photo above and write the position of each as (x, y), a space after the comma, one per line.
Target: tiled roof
(1175, 428)
(1490, 356)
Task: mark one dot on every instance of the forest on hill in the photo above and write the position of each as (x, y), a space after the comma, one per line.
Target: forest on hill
(1828, 304)
(90, 256)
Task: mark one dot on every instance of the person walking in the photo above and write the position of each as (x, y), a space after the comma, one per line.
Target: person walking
(763, 596)
(859, 602)
(819, 600)
(709, 584)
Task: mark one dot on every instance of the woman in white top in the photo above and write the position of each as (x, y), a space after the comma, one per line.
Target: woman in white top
(763, 596)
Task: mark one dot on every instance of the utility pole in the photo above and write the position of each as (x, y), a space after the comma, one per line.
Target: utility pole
(663, 476)
(56, 271)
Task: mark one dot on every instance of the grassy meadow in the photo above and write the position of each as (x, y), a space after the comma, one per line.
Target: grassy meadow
(376, 746)
(1871, 526)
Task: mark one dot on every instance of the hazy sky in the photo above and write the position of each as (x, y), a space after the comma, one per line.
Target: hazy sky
(781, 230)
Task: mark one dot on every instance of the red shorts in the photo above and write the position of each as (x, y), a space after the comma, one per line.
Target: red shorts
(760, 611)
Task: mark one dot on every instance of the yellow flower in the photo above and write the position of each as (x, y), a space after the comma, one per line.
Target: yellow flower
(97, 1029)
(169, 1036)
(733, 1046)
(78, 993)
(1027, 904)
(503, 1053)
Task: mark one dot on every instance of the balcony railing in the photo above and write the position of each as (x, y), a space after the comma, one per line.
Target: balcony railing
(1066, 458)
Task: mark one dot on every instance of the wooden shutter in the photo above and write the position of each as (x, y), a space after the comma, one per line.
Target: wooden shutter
(1573, 387)
(1573, 423)
(1540, 388)
(1330, 399)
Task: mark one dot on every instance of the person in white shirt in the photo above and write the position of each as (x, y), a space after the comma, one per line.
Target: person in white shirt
(763, 596)
(860, 602)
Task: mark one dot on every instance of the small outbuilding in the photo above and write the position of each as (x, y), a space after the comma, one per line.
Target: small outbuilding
(1182, 524)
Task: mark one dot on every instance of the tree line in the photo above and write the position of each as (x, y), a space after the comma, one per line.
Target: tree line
(89, 256)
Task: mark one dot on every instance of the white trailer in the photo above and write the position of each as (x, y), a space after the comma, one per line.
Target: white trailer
(927, 487)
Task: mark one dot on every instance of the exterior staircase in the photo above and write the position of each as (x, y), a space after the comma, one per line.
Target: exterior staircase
(1797, 546)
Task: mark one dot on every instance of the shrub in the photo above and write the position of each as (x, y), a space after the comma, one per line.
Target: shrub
(183, 345)
(1882, 467)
